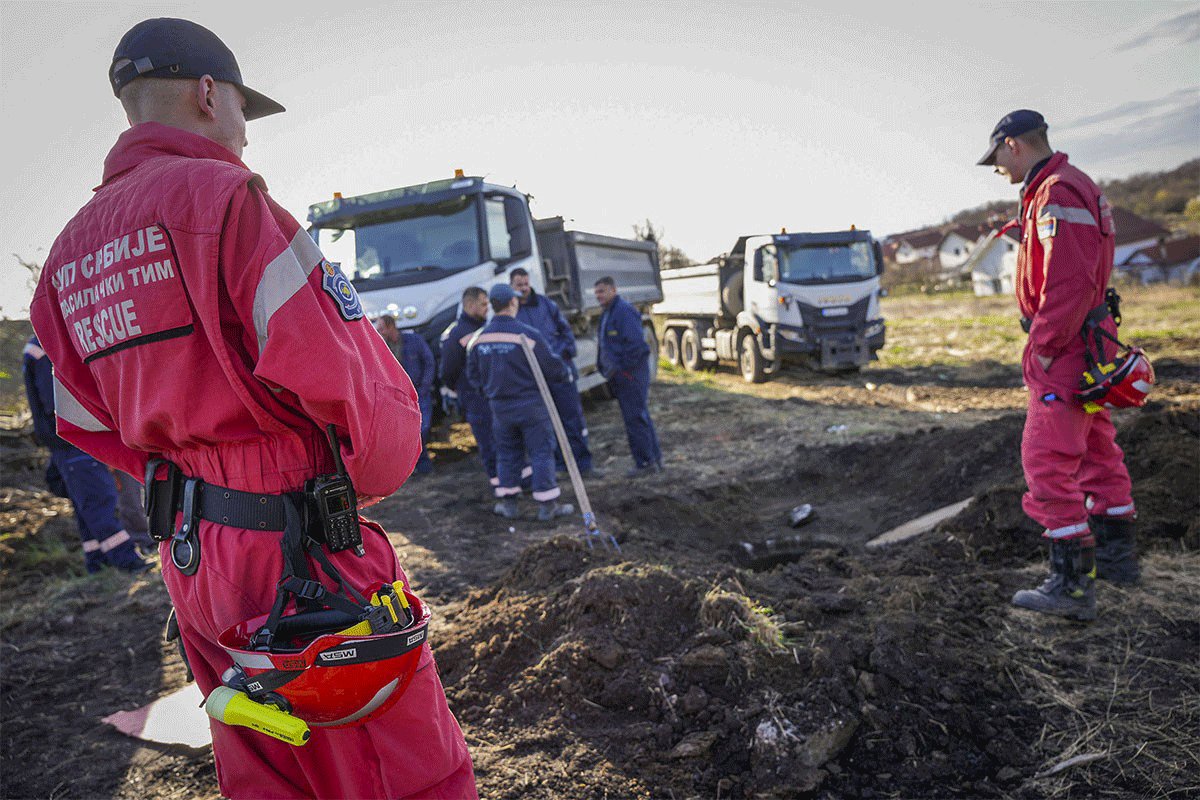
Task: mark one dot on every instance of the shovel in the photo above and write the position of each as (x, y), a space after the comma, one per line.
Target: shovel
(591, 531)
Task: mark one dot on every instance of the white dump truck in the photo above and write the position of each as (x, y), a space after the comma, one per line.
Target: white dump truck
(806, 297)
(411, 252)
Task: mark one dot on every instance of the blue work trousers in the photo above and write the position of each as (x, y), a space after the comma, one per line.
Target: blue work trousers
(570, 411)
(524, 435)
(632, 390)
(91, 490)
(479, 417)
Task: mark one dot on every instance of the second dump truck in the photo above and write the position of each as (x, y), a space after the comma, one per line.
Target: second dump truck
(806, 297)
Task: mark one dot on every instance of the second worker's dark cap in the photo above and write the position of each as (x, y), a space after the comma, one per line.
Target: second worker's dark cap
(178, 48)
(1014, 124)
(502, 293)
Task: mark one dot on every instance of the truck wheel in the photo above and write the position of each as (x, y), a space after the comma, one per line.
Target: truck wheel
(651, 342)
(751, 360)
(670, 346)
(689, 351)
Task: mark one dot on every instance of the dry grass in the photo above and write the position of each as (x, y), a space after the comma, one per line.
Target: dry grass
(1126, 718)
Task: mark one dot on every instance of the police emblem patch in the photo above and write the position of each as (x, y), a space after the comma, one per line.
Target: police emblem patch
(1047, 227)
(341, 290)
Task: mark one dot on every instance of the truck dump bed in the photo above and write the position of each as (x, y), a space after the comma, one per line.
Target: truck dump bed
(577, 260)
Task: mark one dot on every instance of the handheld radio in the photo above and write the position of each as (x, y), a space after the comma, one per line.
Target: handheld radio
(332, 507)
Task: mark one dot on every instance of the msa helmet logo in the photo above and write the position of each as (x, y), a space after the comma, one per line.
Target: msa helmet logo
(416, 637)
(339, 655)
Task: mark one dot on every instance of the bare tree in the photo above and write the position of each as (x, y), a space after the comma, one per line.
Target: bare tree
(669, 256)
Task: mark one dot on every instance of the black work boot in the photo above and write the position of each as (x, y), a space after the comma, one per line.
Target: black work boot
(507, 508)
(1069, 591)
(549, 509)
(1116, 549)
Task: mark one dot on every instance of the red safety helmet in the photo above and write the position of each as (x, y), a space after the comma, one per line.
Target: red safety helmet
(328, 679)
(1122, 383)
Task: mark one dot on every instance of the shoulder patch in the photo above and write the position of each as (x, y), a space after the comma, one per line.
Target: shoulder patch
(1047, 227)
(341, 290)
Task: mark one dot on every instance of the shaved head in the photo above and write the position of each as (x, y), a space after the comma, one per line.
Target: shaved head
(207, 107)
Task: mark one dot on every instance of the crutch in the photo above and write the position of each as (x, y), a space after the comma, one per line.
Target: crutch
(591, 529)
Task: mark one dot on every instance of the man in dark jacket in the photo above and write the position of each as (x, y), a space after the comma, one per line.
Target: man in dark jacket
(542, 313)
(89, 485)
(498, 365)
(417, 359)
(623, 360)
(454, 376)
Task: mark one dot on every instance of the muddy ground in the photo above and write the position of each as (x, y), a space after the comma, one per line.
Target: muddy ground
(667, 671)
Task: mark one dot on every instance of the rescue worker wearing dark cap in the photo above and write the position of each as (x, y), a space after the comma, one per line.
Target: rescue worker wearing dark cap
(623, 360)
(454, 375)
(540, 312)
(415, 356)
(498, 365)
(1079, 488)
(89, 484)
(191, 319)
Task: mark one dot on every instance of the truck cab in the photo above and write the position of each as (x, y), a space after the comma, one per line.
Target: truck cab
(817, 295)
(810, 297)
(410, 252)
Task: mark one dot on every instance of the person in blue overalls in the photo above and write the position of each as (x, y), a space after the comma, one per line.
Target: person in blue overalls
(89, 484)
(540, 312)
(416, 358)
(497, 364)
(623, 359)
(474, 404)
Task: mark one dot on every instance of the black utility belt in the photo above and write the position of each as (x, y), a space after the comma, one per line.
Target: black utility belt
(199, 500)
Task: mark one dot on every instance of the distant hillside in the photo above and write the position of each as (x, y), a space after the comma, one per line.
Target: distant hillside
(1160, 196)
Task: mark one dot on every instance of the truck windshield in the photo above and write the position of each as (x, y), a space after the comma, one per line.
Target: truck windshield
(817, 263)
(444, 236)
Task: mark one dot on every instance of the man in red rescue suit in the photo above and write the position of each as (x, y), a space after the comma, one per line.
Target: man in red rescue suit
(1079, 489)
(190, 318)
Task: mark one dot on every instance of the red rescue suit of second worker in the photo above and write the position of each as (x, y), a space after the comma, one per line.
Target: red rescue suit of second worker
(188, 316)
(1073, 466)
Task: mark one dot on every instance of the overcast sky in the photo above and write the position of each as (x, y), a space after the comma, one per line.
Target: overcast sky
(711, 119)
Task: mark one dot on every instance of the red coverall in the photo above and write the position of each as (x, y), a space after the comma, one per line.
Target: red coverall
(1072, 463)
(186, 316)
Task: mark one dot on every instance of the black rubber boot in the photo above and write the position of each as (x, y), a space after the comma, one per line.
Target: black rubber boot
(550, 509)
(507, 508)
(1116, 549)
(1069, 591)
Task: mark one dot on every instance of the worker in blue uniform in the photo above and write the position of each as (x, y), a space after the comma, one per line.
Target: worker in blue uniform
(417, 360)
(623, 359)
(89, 484)
(471, 400)
(542, 313)
(498, 365)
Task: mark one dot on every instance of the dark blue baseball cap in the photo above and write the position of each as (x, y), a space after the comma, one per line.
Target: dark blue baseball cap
(179, 48)
(502, 293)
(1014, 124)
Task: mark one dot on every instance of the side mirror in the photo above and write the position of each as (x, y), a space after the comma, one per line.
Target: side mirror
(516, 219)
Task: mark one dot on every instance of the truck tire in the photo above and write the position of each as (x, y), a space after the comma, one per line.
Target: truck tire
(670, 346)
(750, 360)
(689, 351)
(651, 339)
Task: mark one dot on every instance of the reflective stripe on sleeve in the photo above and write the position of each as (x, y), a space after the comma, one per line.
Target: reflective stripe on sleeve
(68, 408)
(281, 279)
(1079, 216)
(34, 351)
(91, 546)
